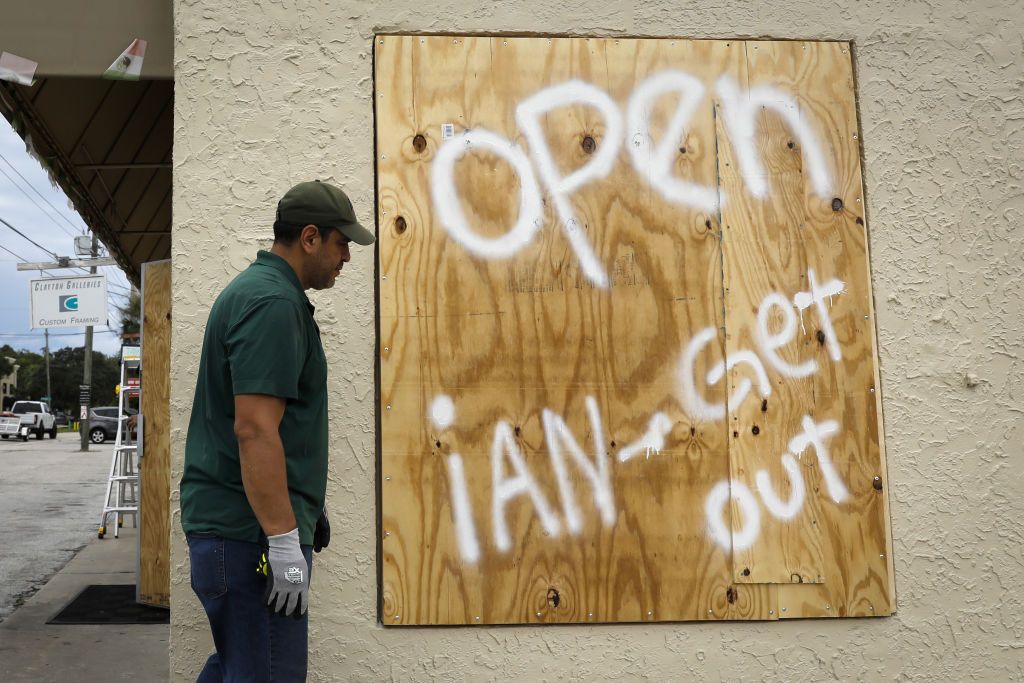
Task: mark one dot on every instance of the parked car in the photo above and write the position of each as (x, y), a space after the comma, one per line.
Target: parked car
(37, 417)
(62, 418)
(103, 423)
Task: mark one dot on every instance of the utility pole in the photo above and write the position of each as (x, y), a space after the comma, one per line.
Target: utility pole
(87, 374)
(49, 395)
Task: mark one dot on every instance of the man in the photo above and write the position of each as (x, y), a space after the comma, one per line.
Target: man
(252, 493)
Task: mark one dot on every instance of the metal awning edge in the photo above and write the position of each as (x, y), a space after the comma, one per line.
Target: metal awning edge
(19, 111)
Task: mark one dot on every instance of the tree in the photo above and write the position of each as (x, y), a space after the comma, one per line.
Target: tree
(66, 367)
(6, 368)
(131, 314)
(31, 374)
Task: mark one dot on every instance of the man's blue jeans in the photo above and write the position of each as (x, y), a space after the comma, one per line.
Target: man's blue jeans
(252, 644)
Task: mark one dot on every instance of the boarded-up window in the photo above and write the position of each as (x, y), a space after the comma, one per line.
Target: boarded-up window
(627, 354)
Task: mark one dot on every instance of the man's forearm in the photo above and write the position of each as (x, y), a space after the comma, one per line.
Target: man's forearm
(266, 482)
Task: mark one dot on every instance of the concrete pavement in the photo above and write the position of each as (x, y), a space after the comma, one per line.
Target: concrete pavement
(50, 500)
(32, 650)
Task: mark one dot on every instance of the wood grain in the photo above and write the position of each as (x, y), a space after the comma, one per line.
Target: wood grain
(770, 245)
(508, 339)
(155, 463)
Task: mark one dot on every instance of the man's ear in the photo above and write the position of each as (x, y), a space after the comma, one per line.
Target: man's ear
(309, 238)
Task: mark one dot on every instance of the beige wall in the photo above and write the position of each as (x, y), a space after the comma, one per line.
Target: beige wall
(270, 93)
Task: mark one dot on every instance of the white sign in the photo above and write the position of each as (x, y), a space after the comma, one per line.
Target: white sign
(68, 301)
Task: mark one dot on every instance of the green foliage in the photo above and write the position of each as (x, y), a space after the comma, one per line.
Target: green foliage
(66, 368)
(131, 314)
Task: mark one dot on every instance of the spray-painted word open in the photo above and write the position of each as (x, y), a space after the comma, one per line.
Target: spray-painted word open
(651, 158)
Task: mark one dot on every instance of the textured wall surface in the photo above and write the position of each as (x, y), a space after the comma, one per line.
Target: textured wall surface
(269, 93)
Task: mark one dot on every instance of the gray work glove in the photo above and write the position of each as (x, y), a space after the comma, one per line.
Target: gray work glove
(287, 591)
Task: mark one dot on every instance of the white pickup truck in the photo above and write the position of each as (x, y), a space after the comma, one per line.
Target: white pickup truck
(36, 416)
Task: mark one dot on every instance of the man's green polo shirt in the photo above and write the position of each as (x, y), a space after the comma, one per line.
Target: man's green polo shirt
(261, 338)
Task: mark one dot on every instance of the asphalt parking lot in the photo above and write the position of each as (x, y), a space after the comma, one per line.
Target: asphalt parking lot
(50, 502)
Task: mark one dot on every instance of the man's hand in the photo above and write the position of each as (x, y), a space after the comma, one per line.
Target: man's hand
(287, 591)
(322, 533)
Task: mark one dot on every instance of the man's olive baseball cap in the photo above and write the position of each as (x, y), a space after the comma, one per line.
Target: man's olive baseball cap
(324, 206)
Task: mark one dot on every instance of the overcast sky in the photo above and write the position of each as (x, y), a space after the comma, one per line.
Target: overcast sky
(46, 218)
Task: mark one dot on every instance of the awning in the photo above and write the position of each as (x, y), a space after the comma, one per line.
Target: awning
(106, 143)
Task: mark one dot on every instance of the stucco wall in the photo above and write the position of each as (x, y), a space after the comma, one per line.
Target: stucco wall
(269, 93)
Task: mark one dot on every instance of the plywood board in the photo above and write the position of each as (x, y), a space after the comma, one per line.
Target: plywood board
(805, 233)
(555, 288)
(155, 464)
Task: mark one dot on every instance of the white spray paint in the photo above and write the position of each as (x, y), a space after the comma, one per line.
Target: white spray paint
(690, 397)
(442, 411)
(769, 342)
(449, 209)
(504, 489)
(714, 512)
(528, 116)
(653, 439)
(780, 509)
(462, 511)
(814, 434)
(817, 296)
(557, 434)
(740, 111)
(716, 373)
(560, 439)
(442, 414)
(655, 161)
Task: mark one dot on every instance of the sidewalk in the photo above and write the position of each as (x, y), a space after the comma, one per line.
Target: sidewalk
(31, 650)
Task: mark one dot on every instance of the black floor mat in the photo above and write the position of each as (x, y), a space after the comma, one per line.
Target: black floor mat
(110, 605)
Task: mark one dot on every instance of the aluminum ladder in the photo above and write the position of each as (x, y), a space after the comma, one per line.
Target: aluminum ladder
(123, 481)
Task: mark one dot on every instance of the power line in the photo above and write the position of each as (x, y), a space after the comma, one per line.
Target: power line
(83, 271)
(53, 254)
(38, 205)
(126, 293)
(20, 258)
(73, 226)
